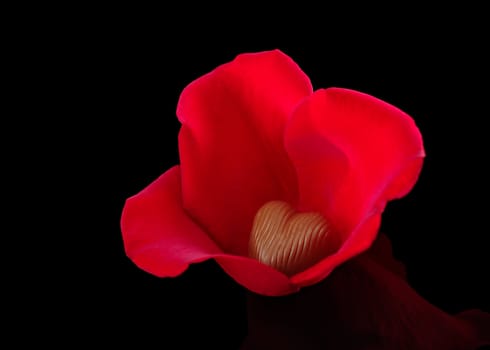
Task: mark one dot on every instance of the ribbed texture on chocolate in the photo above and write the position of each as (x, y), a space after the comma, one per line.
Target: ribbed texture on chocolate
(286, 240)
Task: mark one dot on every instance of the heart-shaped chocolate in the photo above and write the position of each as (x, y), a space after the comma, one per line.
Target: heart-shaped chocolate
(288, 240)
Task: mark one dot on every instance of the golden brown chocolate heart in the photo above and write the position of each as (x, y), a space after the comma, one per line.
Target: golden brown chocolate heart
(287, 240)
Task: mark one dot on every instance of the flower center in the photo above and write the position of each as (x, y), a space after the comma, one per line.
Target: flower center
(287, 240)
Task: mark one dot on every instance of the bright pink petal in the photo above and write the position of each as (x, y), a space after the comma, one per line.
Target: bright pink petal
(362, 305)
(231, 143)
(158, 235)
(352, 154)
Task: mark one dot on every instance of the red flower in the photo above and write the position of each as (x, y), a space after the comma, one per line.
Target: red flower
(281, 185)
(256, 140)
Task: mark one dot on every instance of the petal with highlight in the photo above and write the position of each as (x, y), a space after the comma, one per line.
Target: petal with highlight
(158, 235)
(162, 240)
(231, 142)
(352, 153)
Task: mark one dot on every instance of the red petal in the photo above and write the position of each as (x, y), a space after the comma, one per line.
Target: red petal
(161, 239)
(231, 143)
(255, 276)
(361, 305)
(352, 154)
(360, 240)
(158, 235)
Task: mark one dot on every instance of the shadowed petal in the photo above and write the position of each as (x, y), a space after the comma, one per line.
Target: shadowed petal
(382, 253)
(362, 306)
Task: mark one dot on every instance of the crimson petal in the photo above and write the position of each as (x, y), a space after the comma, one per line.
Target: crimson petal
(162, 239)
(352, 153)
(158, 235)
(231, 143)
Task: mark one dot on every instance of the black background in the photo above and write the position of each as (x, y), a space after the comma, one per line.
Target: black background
(116, 85)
